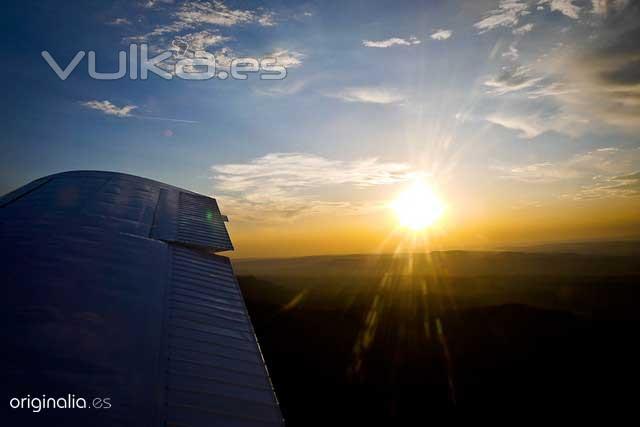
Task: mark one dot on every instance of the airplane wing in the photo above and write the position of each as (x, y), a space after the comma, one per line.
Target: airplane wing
(114, 289)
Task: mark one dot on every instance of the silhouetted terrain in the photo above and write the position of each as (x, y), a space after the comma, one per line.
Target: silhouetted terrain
(381, 338)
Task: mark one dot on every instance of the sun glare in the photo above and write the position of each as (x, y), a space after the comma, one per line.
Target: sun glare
(418, 207)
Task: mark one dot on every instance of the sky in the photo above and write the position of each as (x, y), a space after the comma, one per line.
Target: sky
(522, 115)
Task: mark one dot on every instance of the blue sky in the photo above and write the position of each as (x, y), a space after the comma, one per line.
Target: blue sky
(508, 103)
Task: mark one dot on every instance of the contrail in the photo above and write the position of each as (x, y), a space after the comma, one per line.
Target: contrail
(166, 119)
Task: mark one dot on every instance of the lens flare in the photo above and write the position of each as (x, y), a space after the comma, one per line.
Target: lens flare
(418, 207)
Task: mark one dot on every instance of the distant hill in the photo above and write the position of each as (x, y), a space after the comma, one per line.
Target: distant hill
(617, 248)
(543, 261)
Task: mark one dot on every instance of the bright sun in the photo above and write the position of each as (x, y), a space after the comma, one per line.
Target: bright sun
(418, 207)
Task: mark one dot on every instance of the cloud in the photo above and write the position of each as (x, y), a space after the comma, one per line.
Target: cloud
(190, 30)
(605, 172)
(526, 127)
(550, 89)
(368, 94)
(507, 14)
(536, 173)
(511, 79)
(566, 7)
(441, 34)
(286, 58)
(197, 41)
(394, 41)
(214, 13)
(603, 80)
(604, 7)
(616, 186)
(153, 3)
(109, 108)
(119, 21)
(285, 186)
(267, 19)
(593, 87)
(532, 125)
(513, 53)
(523, 29)
(166, 119)
(193, 14)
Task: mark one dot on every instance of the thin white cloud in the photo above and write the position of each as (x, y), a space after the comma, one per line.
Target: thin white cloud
(605, 172)
(553, 89)
(119, 21)
(165, 119)
(536, 173)
(285, 186)
(369, 95)
(507, 14)
(607, 187)
(214, 13)
(523, 29)
(566, 7)
(512, 53)
(193, 14)
(526, 128)
(197, 41)
(532, 125)
(286, 58)
(441, 34)
(394, 41)
(153, 3)
(608, 161)
(267, 19)
(512, 79)
(510, 12)
(108, 108)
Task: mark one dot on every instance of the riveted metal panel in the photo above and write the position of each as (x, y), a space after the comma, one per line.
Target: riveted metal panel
(111, 290)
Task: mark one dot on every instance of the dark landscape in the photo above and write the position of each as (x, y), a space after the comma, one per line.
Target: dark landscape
(371, 338)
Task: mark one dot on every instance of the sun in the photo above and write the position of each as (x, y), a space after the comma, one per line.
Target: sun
(418, 207)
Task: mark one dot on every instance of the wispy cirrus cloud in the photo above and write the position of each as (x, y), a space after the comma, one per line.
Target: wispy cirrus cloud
(196, 25)
(110, 109)
(507, 14)
(368, 95)
(512, 79)
(196, 41)
(607, 187)
(577, 89)
(286, 186)
(194, 14)
(214, 13)
(441, 34)
(604, 172)
(119, 21)
(154, 3)
(287, 58)
(532, 124)
(566, 7)
(510, 13)
(524, 29)
(393, 41)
